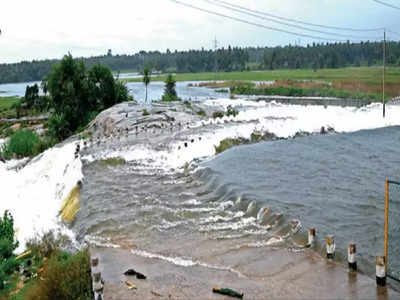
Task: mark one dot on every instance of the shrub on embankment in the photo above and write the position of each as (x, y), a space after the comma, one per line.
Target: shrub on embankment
(303, 92)
(7, 246)
(45, 271)
(255, 137)
(25, 143)
(65, 276)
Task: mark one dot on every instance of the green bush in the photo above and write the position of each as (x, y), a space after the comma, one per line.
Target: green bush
(229, 143)
(145, 112)
(218, 114)
(169, 98)
(22, 143)
(47, 244)
(65, 277)
(7, 247)
(169, 90)
(202, 113)
(58, 126)
(7, 233)
(231, 111)
(299, 92)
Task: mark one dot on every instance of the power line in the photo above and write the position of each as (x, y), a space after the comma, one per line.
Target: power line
(247, 12)
(302, 22)
(393, 32)
(256, 24)
(386, 4)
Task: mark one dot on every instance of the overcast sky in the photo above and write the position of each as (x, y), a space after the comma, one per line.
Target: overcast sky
(51, 28)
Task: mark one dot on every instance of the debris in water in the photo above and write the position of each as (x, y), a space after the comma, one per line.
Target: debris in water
(130, 285)
(132, 272)
(228, 292)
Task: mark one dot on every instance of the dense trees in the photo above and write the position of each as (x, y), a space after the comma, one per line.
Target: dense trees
(76, 95)
(318, 56)
(229, 59)
(31, 95)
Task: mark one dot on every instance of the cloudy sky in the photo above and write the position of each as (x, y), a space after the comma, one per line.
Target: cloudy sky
(51, 28)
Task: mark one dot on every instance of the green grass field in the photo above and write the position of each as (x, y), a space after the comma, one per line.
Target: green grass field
(7, 102)
(360, 79)
(364, 74)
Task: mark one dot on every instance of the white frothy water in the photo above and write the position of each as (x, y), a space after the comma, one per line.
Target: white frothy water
(34, 194)
(184, 262)
(282, 120)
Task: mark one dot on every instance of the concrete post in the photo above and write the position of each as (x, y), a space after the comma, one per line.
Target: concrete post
(311, 236)
(381, 270)
(330, 247)
(351, 257)
(97, 282)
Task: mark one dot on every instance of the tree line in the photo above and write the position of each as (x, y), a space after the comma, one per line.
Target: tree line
(324, 55)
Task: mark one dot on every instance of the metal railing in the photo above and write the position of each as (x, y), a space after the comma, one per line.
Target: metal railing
(392, 229)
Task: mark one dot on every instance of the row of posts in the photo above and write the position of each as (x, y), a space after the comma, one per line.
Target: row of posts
(97, 281)
(351, 256)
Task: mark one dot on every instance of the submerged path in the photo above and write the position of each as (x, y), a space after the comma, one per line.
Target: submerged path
(182, 263)
(259, 274)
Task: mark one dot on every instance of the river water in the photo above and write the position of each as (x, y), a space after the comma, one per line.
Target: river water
(261, 195)
(136, 89)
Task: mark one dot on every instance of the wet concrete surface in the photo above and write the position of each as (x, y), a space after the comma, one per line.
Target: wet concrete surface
(259, 273)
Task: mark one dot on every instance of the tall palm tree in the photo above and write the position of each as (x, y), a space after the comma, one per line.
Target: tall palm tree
(146, 79)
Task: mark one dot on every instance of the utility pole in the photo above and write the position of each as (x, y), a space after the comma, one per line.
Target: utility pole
(215, 57)
(384, 69)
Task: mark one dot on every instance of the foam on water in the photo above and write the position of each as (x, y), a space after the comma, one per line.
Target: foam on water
(282, 120)
(35, 193)
(183, 262)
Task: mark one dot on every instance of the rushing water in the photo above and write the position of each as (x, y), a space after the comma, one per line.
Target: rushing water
(334, 183)
(258, 195)
(262, 195)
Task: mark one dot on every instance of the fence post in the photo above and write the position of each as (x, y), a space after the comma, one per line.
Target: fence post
(330, 247)
(311, 236)
(381, 270)
(97, 281)
(351, 257)
(386, 222)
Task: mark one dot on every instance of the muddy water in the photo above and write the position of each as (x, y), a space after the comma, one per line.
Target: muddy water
(334, 183)
(255, 196)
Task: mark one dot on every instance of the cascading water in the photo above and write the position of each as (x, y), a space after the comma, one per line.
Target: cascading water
(156, 201)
